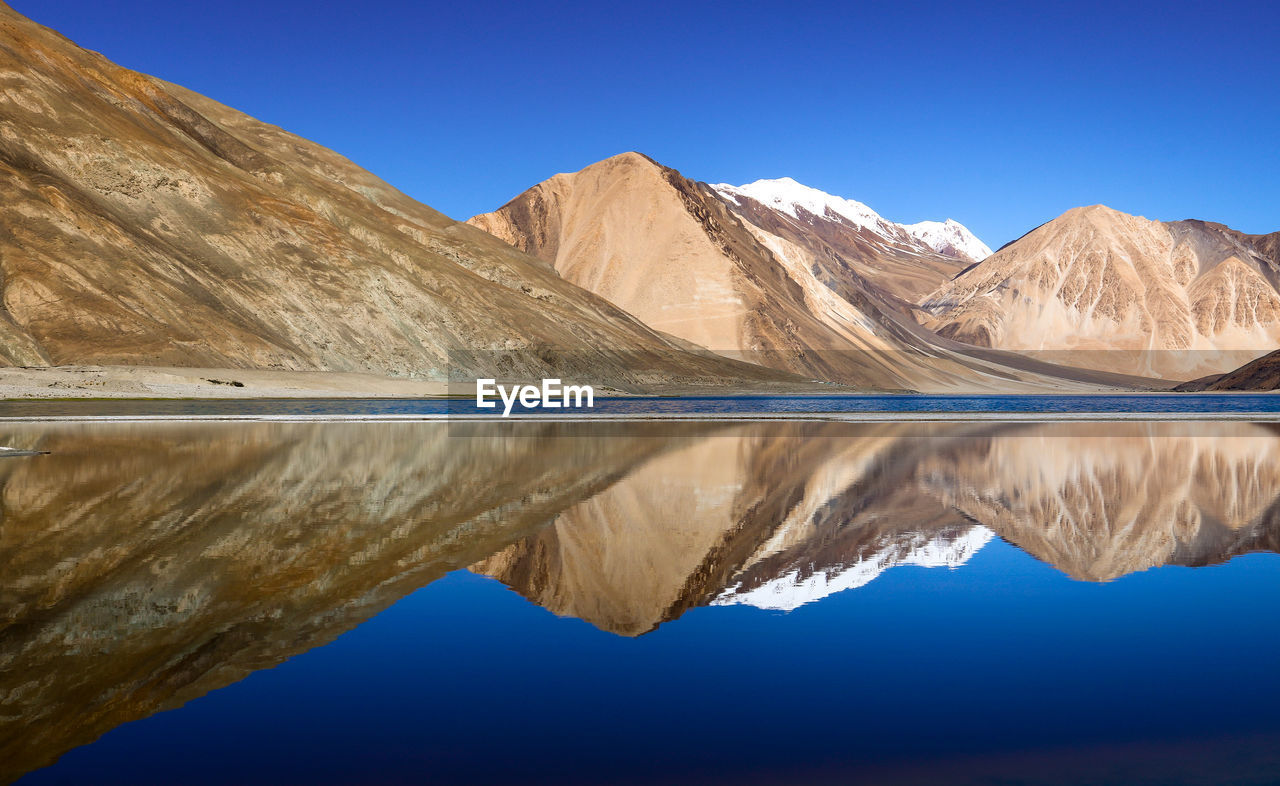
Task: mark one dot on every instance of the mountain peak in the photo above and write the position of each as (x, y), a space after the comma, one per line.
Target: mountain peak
(1100, 213)
(1103, 289)
(790, 197)
(786, 195)
(629, 158)
(122, 179)
(949, 237)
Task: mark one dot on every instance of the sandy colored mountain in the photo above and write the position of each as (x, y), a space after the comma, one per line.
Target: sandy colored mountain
(1262, 374)
(848, 246)
(1102, 289)
(144, 224)
(669, 251)
(823, 299)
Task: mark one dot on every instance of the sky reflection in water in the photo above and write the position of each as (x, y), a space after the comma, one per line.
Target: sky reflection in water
(315, 579)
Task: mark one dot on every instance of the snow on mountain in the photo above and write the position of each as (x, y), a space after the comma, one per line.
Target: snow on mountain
(791, 590)
(786, 195)
(789, 197)
(949, 236)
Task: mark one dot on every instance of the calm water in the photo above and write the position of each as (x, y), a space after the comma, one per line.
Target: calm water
(1261, 404)
(779, 602)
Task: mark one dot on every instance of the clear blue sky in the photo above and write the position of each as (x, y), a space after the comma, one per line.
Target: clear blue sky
(998, 115)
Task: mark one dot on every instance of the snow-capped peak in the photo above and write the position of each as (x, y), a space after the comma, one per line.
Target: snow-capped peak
(951, 235)
(793, 590)
(789, 197)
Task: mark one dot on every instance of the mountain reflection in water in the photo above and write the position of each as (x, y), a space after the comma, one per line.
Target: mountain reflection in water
(148, 564)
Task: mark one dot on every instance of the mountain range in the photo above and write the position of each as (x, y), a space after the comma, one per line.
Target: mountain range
(772, 270)
(145, 225)
(830, 296)
(1100, 288)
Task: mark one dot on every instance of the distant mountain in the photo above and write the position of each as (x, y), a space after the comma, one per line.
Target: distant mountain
(773, 273)
(144, 224)
(1262, 374)
(949, 238)
(1098, 288)
(803, 203)
(846, 245)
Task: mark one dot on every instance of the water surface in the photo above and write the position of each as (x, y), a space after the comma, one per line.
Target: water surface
(822, 602)
(1153, 405)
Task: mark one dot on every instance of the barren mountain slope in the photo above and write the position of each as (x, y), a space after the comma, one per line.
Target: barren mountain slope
(688, 261)
(849, 245)
(1262, 374)
(668, 250)
(1101, 289)
(146, 225)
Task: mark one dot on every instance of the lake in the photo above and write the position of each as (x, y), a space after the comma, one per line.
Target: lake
(648, 602)
(853, 407)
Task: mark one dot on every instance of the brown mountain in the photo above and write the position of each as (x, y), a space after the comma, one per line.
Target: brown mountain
(821, 296)
(668, 250)
(1260, 375)
(1097, 288)
(848, 245)
(144, 224)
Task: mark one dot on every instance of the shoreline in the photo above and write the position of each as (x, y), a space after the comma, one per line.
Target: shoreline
(173, 383)
(817, 417)
(67, 384)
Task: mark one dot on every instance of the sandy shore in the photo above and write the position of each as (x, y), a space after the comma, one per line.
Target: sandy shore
(159, 382)
(62, 382)
(72, 382)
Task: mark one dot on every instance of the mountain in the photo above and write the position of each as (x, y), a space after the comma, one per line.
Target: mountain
(857, 231)
(1098, 288)
(949, 238)
(773, 273)
(144, 224)
(1260, 375)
